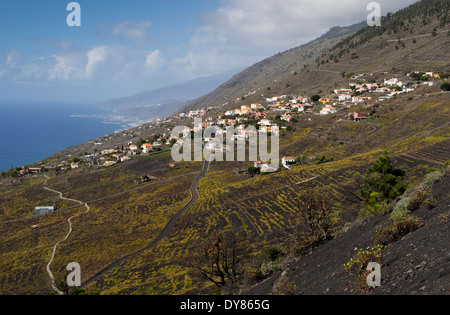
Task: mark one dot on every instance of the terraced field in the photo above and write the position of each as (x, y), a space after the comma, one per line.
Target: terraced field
(126, 217)
(438, 153)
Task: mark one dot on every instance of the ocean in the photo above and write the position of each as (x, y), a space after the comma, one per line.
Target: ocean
(32, 132)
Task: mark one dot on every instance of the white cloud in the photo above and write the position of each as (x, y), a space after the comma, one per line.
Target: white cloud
(104, 63)
(238, 34)
(242, 32)
(136, 31)
(96, 56)
(66, 68)
(13, 59)
(65, 44)
(154, 61)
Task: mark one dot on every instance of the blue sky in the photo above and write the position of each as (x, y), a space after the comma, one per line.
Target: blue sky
(125, 47)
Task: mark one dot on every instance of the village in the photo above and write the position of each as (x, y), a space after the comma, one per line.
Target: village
(270, 116)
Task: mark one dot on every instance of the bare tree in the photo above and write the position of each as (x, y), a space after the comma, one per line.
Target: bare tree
(220, 261)
(312, 224)
(314, 216)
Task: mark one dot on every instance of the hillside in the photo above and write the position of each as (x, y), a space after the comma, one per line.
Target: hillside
(257, 78)
(418, 264)
(405, 42)
(155, 236)
(161, 103)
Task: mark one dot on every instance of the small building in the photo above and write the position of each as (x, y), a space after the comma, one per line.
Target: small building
(147, 148)
(288, 159)
(109, 151)
(328, 110)
(359, 116)
(245, 109)
(265, 122)
(261, 164)
(38, 211)
(110, 163)
(125, 159)
(34, 170)
(393, 81)
(344, 97)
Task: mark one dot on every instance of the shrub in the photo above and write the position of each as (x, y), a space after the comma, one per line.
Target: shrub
(312, 224)
(436, 175)
(398, 227)
(444, 217)
(284, 286)
(315, 98)
(420, 196)
(274, 253)
(401, 207)
(358, 265)
(265, 265)
(445, 86)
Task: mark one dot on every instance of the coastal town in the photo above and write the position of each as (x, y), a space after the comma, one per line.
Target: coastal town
(362, 94)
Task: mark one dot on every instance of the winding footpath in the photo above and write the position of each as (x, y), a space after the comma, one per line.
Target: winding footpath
(164, 233)
(69, 221)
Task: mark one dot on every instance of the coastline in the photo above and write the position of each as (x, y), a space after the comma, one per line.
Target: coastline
(33, 132)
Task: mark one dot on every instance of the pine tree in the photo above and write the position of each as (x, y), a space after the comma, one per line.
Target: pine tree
(384, 185)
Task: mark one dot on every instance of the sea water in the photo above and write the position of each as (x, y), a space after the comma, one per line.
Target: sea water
(32, 132)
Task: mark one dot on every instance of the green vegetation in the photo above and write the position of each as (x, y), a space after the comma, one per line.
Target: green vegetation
(398, 227)
(254, 170)
(445, 86)
(357, 266)
(384, 185)
(315, 98)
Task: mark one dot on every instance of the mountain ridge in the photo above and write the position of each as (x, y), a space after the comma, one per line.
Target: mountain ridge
(164, 102)
(255, 73)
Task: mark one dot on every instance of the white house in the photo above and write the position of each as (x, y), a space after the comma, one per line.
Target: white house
(393, 81)
(146, 148)
(262, 164)
(342, 91)
(287, 118)
(344, 97)
(286, 161)
(300, 108)
(38, 211)
(125, 159)
(265, 122)
(357, 99)
(328, 110)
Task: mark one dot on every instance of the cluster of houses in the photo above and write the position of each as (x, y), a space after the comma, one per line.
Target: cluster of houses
(276, 109)
(371, 93)
(110, 157)
(287, 107)
(266, 167)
